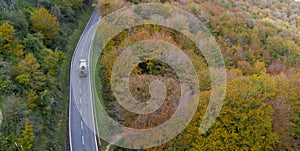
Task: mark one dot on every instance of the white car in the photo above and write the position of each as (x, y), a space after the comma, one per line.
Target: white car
(83, 68)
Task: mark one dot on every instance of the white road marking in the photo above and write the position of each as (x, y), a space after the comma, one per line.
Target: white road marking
(82, 139)
(80, 100)
(81, 125)
(81, 112)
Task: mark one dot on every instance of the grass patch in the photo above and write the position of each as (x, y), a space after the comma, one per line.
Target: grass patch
(98, 90)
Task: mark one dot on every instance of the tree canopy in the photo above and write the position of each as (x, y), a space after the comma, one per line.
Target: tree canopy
(45, 23)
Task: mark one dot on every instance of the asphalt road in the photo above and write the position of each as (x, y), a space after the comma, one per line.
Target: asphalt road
(81, 117)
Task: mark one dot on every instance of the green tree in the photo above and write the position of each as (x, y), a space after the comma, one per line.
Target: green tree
(18, 20)
(54, 61)
(283, 49)
(14, 110)
(77, 3)
(34, 43)
(31, 80)
(25, 69)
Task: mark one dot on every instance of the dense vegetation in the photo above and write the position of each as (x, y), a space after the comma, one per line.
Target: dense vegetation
(35, 45)
(260, 42)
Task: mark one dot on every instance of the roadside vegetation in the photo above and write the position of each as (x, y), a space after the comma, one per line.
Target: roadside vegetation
(260, 42)
(37, 39)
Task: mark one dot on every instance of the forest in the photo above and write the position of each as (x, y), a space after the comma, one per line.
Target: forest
(37, 39)
(260, 43)
(259, 40)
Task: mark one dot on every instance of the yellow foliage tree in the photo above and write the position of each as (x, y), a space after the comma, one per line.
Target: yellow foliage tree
(6, 32)
(25, 142)
(9, 48)
(107, 6)
(260, 67)
(245, 122)
(44, 22)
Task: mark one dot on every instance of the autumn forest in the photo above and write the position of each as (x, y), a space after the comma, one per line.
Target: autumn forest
(259, 41)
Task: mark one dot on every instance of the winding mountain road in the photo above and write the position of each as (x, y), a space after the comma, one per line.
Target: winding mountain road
(81, 116)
